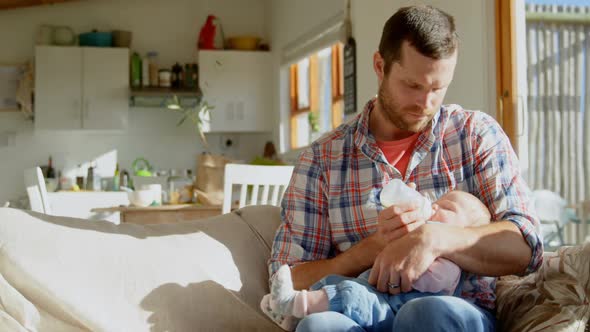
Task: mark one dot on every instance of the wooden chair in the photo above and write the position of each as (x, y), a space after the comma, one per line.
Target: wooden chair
(275, 178)
(37, 191)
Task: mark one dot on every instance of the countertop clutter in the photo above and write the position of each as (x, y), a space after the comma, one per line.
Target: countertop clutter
(144, 185)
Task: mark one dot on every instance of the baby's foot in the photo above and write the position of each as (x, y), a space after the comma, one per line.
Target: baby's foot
(287, 323)
(284, 299)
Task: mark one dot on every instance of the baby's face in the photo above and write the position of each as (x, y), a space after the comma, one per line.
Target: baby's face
(449, 211)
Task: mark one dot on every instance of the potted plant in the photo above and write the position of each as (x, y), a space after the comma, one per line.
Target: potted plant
(197, 114)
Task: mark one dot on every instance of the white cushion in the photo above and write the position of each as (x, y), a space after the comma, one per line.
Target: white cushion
(69, 274)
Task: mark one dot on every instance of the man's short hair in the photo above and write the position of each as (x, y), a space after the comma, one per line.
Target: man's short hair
(430, 30)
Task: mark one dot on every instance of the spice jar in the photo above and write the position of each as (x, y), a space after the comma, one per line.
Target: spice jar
(164, 76)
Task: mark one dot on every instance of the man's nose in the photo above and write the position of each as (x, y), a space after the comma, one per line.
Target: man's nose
(425, 100)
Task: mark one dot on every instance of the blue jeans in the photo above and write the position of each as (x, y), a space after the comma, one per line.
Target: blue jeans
(357, 306)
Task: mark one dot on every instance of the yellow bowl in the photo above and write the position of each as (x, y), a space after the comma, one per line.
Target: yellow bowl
(244, 43)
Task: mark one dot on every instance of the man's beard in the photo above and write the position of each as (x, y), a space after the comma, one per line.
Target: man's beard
(395, 114)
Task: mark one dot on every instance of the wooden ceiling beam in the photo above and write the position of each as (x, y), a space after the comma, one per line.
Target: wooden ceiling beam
(12, 4)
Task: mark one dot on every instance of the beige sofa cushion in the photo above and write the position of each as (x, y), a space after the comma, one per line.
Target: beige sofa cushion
(69, 274)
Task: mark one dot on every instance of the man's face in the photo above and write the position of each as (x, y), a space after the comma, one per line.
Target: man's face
(413, 90)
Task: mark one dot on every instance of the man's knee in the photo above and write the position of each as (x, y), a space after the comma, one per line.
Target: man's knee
(444, 313)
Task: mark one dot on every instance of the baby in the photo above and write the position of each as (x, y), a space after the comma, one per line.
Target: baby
(358, 300)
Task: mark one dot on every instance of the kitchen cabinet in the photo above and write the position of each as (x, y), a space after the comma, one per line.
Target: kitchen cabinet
(238, 85)
(81, 88)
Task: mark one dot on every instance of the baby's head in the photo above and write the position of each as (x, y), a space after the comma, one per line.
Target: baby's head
(461, 209)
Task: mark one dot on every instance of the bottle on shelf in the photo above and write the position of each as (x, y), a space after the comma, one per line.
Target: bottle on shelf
(80, 178)
(177, 76)
(145, 71)
(124, 179)
(116, 179)
(59, 183)
(90, 178)
(135, 70)
(188, 76)
(153, 68)
(195, 73)
(50, 169)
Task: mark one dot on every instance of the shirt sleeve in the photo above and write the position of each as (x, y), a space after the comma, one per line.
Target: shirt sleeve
(304, 233)
(499, 184)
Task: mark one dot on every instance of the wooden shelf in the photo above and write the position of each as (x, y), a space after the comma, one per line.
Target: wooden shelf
(164, 92)
(160, 97)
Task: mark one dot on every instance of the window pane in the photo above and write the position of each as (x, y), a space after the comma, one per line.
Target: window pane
(303, 129)
(325, 94)
(303, 84)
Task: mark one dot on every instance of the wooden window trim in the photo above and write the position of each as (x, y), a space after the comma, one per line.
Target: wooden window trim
(337, 73)
(314, 100)
(506, 61)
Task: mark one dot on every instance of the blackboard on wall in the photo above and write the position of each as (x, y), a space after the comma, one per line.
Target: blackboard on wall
(350, 77)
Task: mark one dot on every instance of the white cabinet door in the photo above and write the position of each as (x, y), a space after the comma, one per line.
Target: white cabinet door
(81, 88)
(105, 75)
(58, 92)
(237, 84)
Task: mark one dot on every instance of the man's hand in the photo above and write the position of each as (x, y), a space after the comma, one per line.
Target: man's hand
(403, 261)
(397, 221)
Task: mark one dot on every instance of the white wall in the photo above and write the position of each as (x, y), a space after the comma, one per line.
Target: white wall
(474, 83)
(169, 27)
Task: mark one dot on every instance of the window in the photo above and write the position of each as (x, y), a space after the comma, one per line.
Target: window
(316, 86)
(545, 107)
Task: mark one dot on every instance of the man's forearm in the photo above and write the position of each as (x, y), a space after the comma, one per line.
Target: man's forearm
(350, 263)
(492, 250)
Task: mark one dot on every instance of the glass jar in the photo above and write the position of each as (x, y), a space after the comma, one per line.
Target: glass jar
(165, 78)
(153, 69)
(180, 187)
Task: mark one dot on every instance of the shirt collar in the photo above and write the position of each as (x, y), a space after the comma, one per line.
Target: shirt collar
(364, 139)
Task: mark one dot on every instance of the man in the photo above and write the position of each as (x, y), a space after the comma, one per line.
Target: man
(333, 221)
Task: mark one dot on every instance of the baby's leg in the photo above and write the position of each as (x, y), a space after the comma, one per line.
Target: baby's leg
(285, 300)
(287, 323)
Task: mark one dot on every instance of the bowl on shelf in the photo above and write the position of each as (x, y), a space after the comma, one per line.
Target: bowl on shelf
(244, 43)
(96, 39)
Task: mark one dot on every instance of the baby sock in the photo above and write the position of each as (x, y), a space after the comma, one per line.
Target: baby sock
(284, 299)
(287, 323)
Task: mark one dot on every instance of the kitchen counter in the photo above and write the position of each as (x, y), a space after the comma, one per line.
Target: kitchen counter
(163, 214)
(79, 204)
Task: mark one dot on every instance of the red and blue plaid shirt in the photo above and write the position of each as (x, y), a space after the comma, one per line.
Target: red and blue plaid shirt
(332, 201)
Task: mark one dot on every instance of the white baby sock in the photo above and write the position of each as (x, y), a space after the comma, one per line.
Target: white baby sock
(397, 192)
(287, 323)
(284, 299)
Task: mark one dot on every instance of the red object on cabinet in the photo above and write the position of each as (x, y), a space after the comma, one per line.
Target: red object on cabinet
(211, 35)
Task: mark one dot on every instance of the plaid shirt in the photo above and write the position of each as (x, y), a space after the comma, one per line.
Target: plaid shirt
(332, 201)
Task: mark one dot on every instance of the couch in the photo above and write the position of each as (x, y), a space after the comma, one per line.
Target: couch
(64, 274)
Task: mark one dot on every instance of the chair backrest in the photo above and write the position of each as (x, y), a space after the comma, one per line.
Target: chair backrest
(36, 190)
(272, 179)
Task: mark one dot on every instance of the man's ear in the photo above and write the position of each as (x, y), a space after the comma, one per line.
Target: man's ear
(379, 66)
